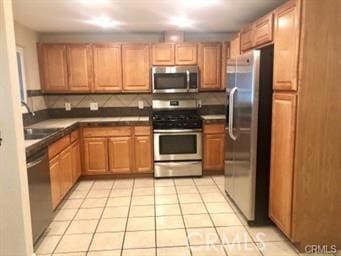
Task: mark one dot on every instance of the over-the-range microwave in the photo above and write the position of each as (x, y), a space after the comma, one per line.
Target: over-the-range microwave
(175, 79)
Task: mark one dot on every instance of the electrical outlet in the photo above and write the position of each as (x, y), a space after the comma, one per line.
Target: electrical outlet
(67, 106)
(141, 104)
(199, 104)
(93, 106)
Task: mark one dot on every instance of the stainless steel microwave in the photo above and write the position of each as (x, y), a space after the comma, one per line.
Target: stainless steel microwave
(175, 79)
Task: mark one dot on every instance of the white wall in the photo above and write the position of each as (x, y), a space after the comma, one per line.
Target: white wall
(27, 39)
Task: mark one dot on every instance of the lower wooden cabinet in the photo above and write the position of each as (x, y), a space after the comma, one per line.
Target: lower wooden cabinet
(95, 154)
(143, 153)
(55, 180)
(65, 159)
(120, 154)
(282, 157)
(214, 141)
(76, 161)
(120, 150)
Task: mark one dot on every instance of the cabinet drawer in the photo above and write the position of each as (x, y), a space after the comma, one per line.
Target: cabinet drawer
(74, 136)
(142, 130)
(107, 131)
(58, 146)
(214, 128)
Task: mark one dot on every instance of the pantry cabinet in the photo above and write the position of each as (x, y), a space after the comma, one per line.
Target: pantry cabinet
(53, 67)
(107, 67)
(79, 63)
(214, 140)
(163, 54)
(210, 66)
(136, 67)
(118, 150)
(286, 46)
(282, 156)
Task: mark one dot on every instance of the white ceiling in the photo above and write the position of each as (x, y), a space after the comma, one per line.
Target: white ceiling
(139, 15)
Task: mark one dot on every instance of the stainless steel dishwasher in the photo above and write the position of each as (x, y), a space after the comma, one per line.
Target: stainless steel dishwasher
(39, 192)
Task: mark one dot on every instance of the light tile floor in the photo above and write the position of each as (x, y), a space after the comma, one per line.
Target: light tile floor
(163, 217)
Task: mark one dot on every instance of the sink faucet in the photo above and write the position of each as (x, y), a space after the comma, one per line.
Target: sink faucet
(27, 108)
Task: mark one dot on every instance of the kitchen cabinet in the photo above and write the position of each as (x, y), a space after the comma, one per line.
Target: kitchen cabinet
(263, 30)
(118, 150)
(186, 54)
(136, 67)
(210, 66)
(79, 63)
(95, 155)
(76, 161)
(107, 67)
(214, 140)
(282, 156)
(163, 54)
(235, 47)
(55, 181)
(53, 67)
(286, 46)
(246, 38)
(120, 154)
(66, 170)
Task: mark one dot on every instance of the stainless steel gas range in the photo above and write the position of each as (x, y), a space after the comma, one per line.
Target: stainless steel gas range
(177, 138)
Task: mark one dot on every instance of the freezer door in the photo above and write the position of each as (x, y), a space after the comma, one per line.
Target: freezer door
(246, 109)
(229, 152)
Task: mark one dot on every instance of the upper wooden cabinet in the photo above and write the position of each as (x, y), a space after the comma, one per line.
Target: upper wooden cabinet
(53, 67)
(263, 30)
(107, 67)
(210, 66)
(186, 54)
(286, 47)
(235, 47)
(163, 54)
(246, 38)
(282, 160)
(136, 67)
(79, 63)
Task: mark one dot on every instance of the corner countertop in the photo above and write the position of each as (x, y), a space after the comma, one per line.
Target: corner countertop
(67, 125)
(212, 119)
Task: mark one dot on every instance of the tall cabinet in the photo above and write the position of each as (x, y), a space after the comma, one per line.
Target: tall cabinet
(306, 128)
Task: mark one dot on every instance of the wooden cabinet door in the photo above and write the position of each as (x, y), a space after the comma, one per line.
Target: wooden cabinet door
(214, 152)
(55, 179)
(107, 67)
(210, 66)
(65, 159)
(120, 154)
(246, 38)
(186, 54)
(76, 162)
(95, 155)
(286, 47)
(263, 30)
(282, 160)
(163, 54)
(143, 154)
(136, 67)
(53, 67)
(235, 47)
(80, 72)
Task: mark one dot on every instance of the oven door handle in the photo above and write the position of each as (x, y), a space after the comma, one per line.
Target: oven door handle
(187, 80)
(178, 131)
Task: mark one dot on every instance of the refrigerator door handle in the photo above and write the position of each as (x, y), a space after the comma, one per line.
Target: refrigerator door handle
(231, 112)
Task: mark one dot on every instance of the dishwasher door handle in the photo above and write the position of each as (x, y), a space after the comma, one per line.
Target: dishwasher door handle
(35, 162)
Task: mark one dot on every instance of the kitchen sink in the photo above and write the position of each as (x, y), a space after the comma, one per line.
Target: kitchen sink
(37, 133)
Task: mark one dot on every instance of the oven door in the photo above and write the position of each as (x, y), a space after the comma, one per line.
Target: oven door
(175, 145)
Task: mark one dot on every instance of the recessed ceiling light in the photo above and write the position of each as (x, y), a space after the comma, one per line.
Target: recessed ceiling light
(198, 3)
(104, 22)
(182, 22)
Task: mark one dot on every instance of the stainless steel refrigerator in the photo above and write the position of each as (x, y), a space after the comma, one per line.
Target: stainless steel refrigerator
(248, 133)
